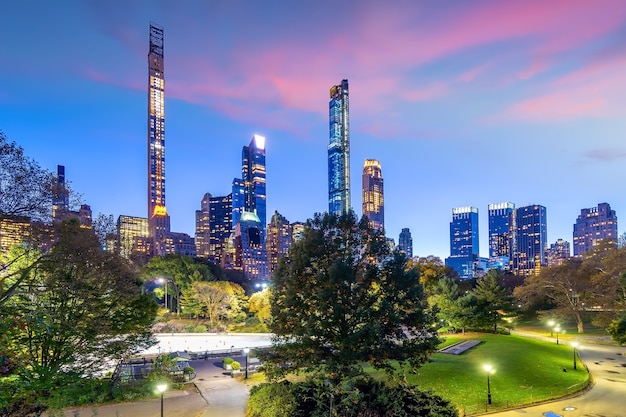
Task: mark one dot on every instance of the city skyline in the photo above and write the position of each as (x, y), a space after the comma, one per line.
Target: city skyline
(464, 105)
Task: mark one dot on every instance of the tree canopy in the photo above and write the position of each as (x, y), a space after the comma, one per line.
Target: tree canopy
(341, 297)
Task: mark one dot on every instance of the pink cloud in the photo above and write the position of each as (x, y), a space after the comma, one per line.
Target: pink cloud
(536, 67)
(606, 155)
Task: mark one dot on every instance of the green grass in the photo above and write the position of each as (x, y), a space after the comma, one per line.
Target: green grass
(527, 371)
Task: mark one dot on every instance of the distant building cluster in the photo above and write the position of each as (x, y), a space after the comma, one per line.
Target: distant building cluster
(518, 238)
(233, 230)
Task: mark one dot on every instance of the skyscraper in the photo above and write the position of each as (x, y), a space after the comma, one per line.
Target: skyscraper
(501, 222)
(61, 202)
(557, 253)
(251, 255)
(249, 192)
(594, 224)
(158, 219)
(531, 240)
(129, 230)
(373, 194)
(279, 239)
(339, 150)
(213, 226)
(464, 244)
(405, 242)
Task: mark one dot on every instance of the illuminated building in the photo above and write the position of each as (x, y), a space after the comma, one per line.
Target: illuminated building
(249, 192)
(251, 255)
(557, 253)
(593, 225)
(405, 242)
(530, 240)
(373, 194)
(279, 239)
(464, 242)
(339, 150)
(501, 236)
(61, 201)
(14, 230)
(158, 219)
(180, 243)
(132, 233)
(213, 226)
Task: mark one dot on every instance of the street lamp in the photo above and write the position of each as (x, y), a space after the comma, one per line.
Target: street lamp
(246, 351)
(557, 329)
(161, 389)
(574, 345)
(551, 324)
(490, 370)
(167, 281)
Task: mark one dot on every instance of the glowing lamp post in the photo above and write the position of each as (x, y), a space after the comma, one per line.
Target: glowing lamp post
(574, 345)
(161, 389)
(490, 370)
(551, 324)
(246, 351)
(557, 329)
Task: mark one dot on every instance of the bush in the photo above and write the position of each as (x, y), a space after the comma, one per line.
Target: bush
(351, 398)
(227, 361)
(235, 366)
(201, 328)
(188, 370)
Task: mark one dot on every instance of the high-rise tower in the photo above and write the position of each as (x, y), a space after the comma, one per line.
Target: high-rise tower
(531, 240)
(373, 194)
(339, 150)
(158, 219)
(249, 192)
(464, 241)
(501, 232)
(593, 225)
(405, 242)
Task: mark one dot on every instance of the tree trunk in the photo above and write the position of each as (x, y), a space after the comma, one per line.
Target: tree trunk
(579, 323)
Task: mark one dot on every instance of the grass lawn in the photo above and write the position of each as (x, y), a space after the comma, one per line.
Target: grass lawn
(527, 371)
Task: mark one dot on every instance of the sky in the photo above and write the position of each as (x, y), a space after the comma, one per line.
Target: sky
(463, 103)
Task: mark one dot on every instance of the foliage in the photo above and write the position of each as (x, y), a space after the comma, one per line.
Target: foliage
(617, 330)
(235, 366)
(259, 304)
(80, 309)
(200, 328)
(431, 270)
(359, 396)
(227, 361)
(105, 228)
(341, 298)
(454, 310)
(217, 300)
(493, 300)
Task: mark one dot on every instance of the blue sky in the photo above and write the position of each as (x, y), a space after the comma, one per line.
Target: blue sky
(464, 103)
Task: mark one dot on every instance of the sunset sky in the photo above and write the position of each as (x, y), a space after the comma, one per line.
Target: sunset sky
(464, 103)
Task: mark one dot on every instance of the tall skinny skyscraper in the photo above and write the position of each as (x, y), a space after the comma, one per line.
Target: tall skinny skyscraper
(249, 192)
(405, 242)
(373, 194)
(158, 219)
(339, 150)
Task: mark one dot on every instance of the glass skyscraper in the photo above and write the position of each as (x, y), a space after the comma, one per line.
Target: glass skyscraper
(213, 226)
(464, 245)
(339, 150)
(501, 227)
(594, 224)
(249, 192)
(373, 194)
(158, 219)
(530, 240)
(405, 242)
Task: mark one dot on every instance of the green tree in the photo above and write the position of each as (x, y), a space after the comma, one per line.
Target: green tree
(260, 304)
(431, 270)
(493, 300)
(341, 298)
(617, 329)
(455, 310)
(80, 310)
(217, 300)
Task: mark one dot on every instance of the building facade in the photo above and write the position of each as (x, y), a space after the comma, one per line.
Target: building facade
(373, 194)
(213, 226)
(501, 233)
(530, 240)
(339, 150)
(464, 243)
(251, 256)
(593, 225)
(249, 192)
(129, 230)
(158, 219)
(279, 239)
(558, 253)
(405, 242)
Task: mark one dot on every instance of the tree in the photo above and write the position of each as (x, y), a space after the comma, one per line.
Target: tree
(341, 297)
(431, 270)
(454, 309)
(217, 300)
(493, 300)
(80, 310)
(104, 227)
(260, 304)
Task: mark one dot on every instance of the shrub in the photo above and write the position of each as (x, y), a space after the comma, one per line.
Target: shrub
(188, 370)
(227, 361)
(201, 328)
(235, 366)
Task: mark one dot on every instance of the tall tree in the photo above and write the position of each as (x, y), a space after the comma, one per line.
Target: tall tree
(260, 305)
(217, 300)
(80, 309)
(431, 270)
(493, 300)
(105, 228)
(341, 298)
